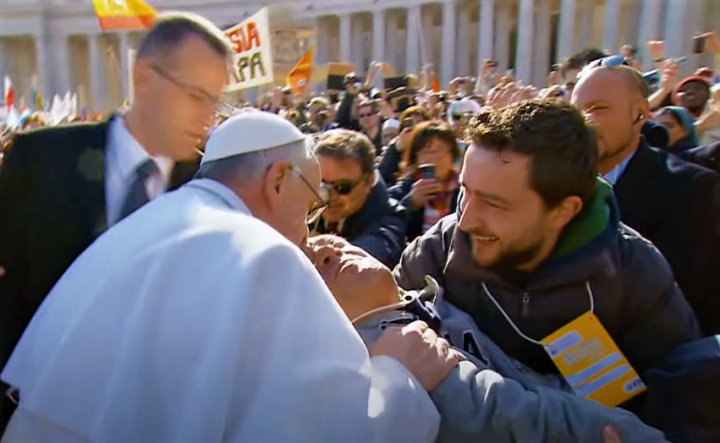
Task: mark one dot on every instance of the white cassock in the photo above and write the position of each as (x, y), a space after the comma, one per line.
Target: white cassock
(192, 321)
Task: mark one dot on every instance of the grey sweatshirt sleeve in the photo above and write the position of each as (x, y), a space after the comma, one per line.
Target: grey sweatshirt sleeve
(480, 405)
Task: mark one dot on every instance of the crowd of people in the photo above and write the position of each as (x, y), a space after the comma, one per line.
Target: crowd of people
(491, 262)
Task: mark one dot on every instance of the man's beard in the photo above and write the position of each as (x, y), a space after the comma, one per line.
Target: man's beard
(514, 256)
(512, 259)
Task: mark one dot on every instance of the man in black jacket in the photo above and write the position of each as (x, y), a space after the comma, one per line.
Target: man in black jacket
(62, 187)
(359, 206)
(672, 203)
(536, 244)
(707, 156)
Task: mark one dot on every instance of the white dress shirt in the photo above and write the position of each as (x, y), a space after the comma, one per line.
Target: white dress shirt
(122, 157)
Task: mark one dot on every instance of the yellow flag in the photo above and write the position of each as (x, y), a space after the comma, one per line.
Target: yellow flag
(299, 77)
(124, 14)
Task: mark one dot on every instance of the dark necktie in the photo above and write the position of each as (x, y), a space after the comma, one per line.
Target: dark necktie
(137, 195)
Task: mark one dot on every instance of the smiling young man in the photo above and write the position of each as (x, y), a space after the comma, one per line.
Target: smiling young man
(536, 243)
(359, 207)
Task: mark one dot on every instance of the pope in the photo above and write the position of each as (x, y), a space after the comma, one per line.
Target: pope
(198, 319)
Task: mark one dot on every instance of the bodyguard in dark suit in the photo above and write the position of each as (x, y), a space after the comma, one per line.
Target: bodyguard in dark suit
(707, 156)
(60, 188)
(676, 205)
(672, 203)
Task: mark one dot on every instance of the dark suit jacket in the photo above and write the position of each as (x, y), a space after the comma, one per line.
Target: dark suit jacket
(676, 205)
(707, 156)
(52, 207)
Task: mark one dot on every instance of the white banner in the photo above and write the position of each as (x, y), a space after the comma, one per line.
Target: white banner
(253, 64)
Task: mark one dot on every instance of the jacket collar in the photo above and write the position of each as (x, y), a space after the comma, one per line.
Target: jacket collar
(637, 181)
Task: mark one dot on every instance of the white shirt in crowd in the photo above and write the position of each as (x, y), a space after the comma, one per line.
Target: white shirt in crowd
(123, 155)
(173, 326)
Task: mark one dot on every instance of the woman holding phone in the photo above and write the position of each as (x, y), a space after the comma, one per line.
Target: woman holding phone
(429, 186)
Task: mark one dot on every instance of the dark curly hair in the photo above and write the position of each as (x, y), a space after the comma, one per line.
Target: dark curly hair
(423, 134)
(558, 138)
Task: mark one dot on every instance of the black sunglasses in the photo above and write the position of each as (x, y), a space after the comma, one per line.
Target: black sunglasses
(342, 187)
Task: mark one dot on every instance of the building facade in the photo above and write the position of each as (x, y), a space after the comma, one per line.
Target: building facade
(56, 46)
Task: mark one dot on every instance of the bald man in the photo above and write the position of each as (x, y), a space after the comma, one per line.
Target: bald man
(487, 398)
(672, 203)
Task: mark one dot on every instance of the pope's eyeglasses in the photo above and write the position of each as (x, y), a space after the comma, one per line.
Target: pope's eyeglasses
(320, 204)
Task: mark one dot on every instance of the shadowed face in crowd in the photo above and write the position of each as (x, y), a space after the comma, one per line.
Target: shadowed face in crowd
(178, 93)
(348, 187)
(615, 109)
(675, 128)
(357, 280)
(693, 96)
(507, 221)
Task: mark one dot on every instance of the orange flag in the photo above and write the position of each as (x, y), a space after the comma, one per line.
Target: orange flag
(299, 77)
(435, 84)
(124, 14)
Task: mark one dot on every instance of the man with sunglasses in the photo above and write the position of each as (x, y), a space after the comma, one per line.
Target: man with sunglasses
(371, 123)
(61, 187)
(359, 207)
(188, 322)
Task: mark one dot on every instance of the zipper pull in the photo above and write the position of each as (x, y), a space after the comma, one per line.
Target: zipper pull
(525, 304)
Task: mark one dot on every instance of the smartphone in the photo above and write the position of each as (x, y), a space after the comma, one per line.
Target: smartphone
(427, 171)
(699, 43)
(407, 123)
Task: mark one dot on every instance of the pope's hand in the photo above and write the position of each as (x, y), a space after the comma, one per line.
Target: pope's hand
(611, 435)
(429, 357)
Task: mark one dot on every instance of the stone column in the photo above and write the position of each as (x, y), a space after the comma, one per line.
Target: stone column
(41, 57)
(611, 26)
(357, 46)
(486, 32)
(4, 63)
(63, 64)
(566, 30)
(345, 38)
(323, 41)
(391, 40)
(675, 30)
(541, 50)
(524, 60)
(378, 43)
(650, 17)
(502, 37)
(124, 48)
(586, 24)
(96, 73)
(695, 25)
(412, 63)
(463, 41)
(447, 63)
(428, 37)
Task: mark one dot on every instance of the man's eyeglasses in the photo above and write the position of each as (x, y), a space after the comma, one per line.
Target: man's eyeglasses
(199, 96)
(320, 204)
(341, 187)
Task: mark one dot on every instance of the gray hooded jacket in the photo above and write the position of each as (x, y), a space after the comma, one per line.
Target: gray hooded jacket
(494, 398)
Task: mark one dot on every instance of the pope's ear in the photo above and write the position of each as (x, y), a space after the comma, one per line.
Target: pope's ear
(275, 180)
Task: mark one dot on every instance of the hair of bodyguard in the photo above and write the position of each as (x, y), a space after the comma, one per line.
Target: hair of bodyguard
(171, 29)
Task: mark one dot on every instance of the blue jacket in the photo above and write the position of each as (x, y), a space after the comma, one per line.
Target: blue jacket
(494, 398)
